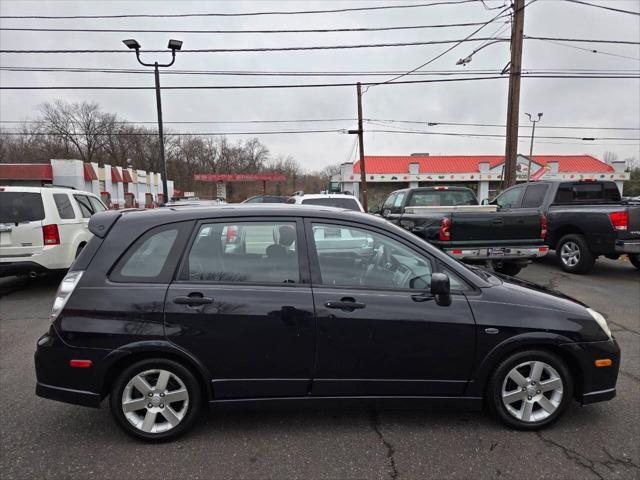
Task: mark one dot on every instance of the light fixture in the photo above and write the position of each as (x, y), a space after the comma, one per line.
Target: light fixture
(132, 44)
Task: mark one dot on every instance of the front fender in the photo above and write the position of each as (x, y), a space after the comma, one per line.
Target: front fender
(487, 365)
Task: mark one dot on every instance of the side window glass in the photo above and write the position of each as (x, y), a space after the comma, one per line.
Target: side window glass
(97, 205)
(244, 252)
(509, 199)
(388, 204)
(63, 204)
(534, 196)
(85, 206)
(398, 201)
(147, 257)
(354, 257)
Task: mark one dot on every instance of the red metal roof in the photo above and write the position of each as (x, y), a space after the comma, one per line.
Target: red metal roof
(115, 175)
(89, 172)
(470, 163)
(126, 176)
(26, 171)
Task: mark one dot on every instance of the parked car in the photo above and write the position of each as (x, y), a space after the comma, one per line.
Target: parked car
(451, 219)
(43, 229)
(584, 220)
(338, 200)
(266, 199)
(160, 317)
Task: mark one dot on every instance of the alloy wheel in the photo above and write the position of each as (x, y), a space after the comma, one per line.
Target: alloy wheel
(532, 391)
(570, 254)
(155, 401)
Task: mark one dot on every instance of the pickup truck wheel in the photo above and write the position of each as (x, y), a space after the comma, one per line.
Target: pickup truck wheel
(574, 255)
(511, 269)
(635, 260)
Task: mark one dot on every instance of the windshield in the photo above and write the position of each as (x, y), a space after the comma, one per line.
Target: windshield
(18, 207)
(442, 198)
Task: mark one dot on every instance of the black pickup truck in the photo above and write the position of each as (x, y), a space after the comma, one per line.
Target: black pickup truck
(584, 220)
(450, 218)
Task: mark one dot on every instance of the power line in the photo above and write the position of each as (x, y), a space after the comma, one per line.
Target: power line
(491, 135)
(333, 73)
(201, 122)
(240, 14)
(603, 7)
(304, 85)
(305, 30)
(591, 50)
(498, 125)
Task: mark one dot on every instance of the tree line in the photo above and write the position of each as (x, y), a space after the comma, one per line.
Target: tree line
(83, 131)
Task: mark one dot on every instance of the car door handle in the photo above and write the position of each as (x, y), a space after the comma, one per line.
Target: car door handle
(192, 300)
(345, 304)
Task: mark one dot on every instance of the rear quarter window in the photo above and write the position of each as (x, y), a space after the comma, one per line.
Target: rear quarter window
(20, 207)
(64, 206)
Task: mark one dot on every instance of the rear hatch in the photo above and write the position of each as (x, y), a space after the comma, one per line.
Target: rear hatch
(21, 219)
(496, 228)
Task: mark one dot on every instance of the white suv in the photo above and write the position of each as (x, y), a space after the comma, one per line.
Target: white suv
(43, 228)
(338, 200)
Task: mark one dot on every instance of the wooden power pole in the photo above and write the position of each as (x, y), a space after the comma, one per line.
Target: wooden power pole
(513, 105)
(360, 132)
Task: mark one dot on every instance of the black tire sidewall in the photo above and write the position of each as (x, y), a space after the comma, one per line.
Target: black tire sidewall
(191, 383)
(509, 269)
(494, 389)
(635, 260)
(587, 259)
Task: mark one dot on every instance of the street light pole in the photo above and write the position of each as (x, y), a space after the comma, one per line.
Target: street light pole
(533, 134)
(174, 45)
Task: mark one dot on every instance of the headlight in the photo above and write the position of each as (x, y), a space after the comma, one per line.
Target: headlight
(600, 320)
(66, 288)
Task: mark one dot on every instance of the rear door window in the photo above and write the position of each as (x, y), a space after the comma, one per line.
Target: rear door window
(534, 196)
(97, 205)
(64, 206)
(20, 207)
(85, 205)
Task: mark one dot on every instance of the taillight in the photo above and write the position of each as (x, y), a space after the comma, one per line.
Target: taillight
(50, 235)
(543, 227)
(66, 288)
(232, 234)
(620, 220)
(445, 230)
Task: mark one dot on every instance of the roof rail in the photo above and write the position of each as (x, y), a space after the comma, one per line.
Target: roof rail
(53, 185)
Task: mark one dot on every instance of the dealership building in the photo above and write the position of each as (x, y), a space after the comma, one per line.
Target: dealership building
(482, 173)
(117, 186)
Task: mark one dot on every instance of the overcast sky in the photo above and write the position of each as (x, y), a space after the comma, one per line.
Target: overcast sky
(569, 102)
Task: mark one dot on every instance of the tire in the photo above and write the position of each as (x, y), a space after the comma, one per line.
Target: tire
(526, 412)
(182, 411)
(511, 269)
(635, 260)
(574, 255)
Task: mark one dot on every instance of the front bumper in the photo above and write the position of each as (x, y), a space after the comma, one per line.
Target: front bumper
(628, 246)
(57, 380)
(498, 254)
(598, 383)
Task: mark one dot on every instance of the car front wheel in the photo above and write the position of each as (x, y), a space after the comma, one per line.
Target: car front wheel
(155, 399)
(530, 390)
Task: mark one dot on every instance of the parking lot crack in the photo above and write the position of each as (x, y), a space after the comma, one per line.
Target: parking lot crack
(629, 375)
(375, 425)
(587, 463)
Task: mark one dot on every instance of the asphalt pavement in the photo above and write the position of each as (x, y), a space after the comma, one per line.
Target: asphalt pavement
(45, 439)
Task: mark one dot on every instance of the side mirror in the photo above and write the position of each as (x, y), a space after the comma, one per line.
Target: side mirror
(485, 202)
(375, 211)
(441, 289)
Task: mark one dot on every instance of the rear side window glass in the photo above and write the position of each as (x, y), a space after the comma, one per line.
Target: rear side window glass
(85, 206)
(153, 257)
(348, 203)
(63, 204)
(611, 192)
(534, 196)
(18, 207)
(97, 205)
(587, 192)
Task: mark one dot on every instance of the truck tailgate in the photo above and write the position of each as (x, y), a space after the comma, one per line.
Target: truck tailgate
(633, 229)
(496, 228)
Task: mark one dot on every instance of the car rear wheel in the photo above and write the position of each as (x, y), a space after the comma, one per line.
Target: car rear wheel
(574, 255)
(155, 399)
(530, 389)
(635, 260)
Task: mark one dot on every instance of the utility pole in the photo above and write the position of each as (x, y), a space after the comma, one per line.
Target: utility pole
(533, 134)
(360, 133)
(513, 104)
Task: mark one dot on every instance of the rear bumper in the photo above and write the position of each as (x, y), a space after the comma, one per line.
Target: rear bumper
(68, 395)
(628, 246)
(498, 254)
(21, 268)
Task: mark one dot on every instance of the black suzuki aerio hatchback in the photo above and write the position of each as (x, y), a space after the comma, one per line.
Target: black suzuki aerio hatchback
(167, 310)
